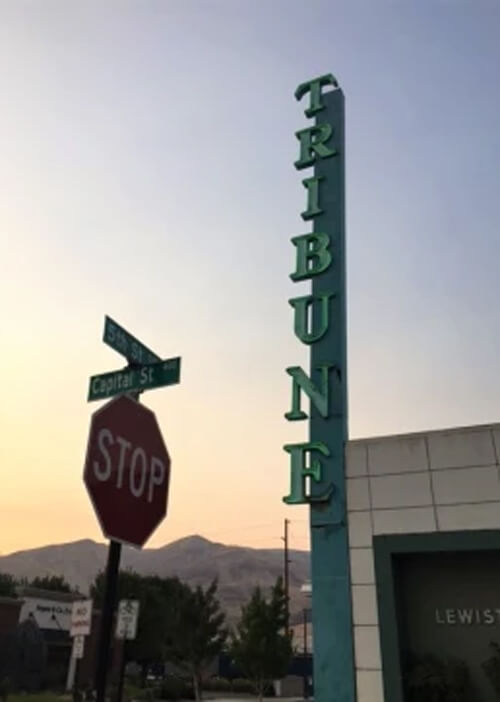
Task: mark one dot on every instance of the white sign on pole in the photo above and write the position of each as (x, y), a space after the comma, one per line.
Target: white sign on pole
(48, 614)
(78, 646)
(81, 618)
(128, 614)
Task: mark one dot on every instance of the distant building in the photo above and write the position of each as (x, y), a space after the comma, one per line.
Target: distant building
(51, 611)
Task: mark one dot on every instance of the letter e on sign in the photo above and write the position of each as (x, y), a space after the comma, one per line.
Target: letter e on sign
(127, 471)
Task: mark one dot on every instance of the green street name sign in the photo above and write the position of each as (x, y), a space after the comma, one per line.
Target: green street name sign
(145, 377)
(120, 340)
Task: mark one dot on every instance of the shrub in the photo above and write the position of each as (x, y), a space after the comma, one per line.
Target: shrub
(54, 677)
(217, 684)
(4, 689)
(242, 685)
(174, 688)
(491, 667)
(148, 694)
(30, 657)
(131, 691)
(433, 680)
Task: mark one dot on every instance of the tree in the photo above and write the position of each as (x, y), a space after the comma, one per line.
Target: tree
(156, 598)
(30, 656)
(261, 647)
(7, 585)
(57, 583)
(198, 633)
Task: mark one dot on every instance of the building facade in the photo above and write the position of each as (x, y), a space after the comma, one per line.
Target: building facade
(424, 545)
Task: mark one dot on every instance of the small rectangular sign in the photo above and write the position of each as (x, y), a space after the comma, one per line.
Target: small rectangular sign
(81, 618)
(126, 623)
(78, 646)
(48, 614)
(153, 375)
(120, 340)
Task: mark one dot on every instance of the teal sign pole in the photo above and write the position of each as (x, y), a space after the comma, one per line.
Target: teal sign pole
(317, 466)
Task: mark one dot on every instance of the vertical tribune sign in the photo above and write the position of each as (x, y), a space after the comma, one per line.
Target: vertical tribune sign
(317, 465)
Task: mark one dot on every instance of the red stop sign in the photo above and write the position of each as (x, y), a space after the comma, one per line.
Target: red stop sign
(127, 470)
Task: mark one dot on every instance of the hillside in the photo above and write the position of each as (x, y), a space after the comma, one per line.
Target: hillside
(193, 559)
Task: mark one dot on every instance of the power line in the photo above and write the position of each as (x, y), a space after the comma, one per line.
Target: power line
(248, 527)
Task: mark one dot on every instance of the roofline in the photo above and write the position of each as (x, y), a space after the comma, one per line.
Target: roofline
(426, 432)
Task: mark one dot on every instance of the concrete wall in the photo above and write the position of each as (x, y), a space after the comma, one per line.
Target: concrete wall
(433, 481)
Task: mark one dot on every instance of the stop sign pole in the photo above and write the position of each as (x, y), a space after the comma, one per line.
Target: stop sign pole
(127, 465)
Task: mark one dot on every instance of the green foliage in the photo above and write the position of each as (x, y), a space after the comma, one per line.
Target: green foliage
(242, 685)
(491, 667)
(55, 676)
(175, 622)
(174, 688)
(56, 583)
(7, 585)
(157, 597)
(4, 688)
(433, 680)
(131, 691)
(30, 657)
(236, 686)
(198, 633)
(7, 658)
(39, 697)
(261, 648)
(216, 684)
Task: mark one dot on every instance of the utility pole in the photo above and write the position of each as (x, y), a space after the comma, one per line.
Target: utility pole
(305, 680)
(286, 574)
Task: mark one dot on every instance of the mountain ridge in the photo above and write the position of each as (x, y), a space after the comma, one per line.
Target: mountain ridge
(194, 559)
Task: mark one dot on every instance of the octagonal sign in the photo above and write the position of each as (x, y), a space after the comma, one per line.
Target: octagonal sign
(127, 470)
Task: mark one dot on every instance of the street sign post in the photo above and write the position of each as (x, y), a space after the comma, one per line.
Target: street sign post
(126, 623)
(127, 468)
(78, 647)
(126, 630)
(81, 625)
(135, 379)
(127, 471)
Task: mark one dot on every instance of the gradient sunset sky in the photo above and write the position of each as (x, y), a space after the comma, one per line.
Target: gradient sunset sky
(146, 172)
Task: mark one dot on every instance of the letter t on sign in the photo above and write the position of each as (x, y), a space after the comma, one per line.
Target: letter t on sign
(313, 87)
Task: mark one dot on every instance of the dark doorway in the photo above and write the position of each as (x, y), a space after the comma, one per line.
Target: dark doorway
(439, 614)
(449, 611)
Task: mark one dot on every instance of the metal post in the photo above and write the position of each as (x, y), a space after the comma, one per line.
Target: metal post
(71, 677)
(110, 592)
(121, 676)
(306, 686)
(286, 572)
(305, 631)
